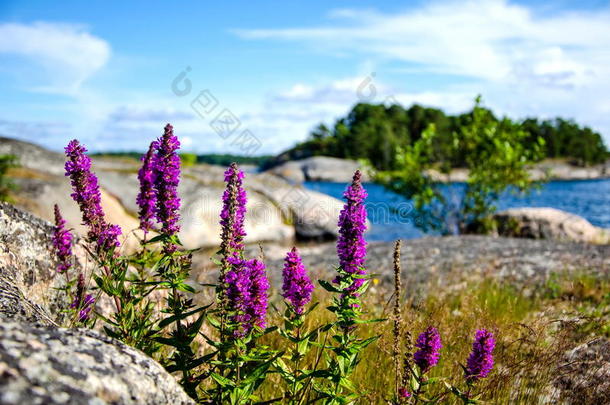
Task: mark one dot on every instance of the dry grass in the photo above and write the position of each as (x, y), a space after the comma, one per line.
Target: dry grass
(533, 333)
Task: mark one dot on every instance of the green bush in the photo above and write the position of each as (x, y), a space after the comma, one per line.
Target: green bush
(496, 154)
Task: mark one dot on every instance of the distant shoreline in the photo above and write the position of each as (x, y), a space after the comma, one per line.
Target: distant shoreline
(325, 168)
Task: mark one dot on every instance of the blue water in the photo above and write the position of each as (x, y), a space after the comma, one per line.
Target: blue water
(392, 216)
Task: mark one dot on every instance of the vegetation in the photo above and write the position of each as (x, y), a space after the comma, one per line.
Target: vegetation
(374, 132)
(238, 344)
(221, 159)
(496, 154)
(6, 162)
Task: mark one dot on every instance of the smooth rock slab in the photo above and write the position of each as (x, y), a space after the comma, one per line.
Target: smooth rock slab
(549, 223)
(45, 365)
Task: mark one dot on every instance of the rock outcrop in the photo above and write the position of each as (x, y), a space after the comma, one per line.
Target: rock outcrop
(449, 262)
(41, 364)
(317, 168)
(47, 366)
(549, 223)
(584, 376)
(28, 279)
(274, 215)
(546, 170)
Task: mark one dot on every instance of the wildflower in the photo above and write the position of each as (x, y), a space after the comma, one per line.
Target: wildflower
(238, 286)
(147, 198)
(88, 197)
(481, 360)
(297, 286)
(257, 307)
(233, 211)
(62, 242)
(429, 344)
(82, 302)
(351, 246)
(247, 287)
(167, 177)
(403, 393)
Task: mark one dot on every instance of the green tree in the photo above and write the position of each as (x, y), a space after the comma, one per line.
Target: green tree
(496, 154)
(374, 132)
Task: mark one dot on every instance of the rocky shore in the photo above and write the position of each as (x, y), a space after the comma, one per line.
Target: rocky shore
(324, 168)
(43, 364)
(279, 211)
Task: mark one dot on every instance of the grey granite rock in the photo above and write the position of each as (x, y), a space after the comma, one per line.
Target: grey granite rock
(46, 365)
(32, 156)
(317, 168)
(446, 262)
(274, 215)
(549, 223)
(584, 376)
(27, 268)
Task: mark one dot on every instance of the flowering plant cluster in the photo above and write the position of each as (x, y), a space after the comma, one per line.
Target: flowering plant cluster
(151, 299)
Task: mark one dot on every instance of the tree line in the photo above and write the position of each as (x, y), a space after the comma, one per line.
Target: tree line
(375, 131)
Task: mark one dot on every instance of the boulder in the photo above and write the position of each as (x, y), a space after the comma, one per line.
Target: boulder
(47, 365)
(549, 223)
(32, 156)
(584, 376)
(28, 279)
(317, 168)
(314, 215)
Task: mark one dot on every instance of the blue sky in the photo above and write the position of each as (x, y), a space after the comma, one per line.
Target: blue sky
(102, 71)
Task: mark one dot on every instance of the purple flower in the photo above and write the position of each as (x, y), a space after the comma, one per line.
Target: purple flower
(257, 307)
(243, 282)
(481, 360)
(233, 211)
(429, 344)
(297, 286)
(167, 177)
(351, 246)
(247, 287)
(62, 242)
(238, 285)
(147, 198)
(82, 302)
(88, 197)
(403, 393)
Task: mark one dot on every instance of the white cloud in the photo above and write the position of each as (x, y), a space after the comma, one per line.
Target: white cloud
(522, 62)
(64, 55)
(492, 40)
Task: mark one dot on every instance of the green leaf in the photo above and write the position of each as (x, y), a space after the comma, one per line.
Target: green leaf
(328, 286)
(185, 287)
(222, 381)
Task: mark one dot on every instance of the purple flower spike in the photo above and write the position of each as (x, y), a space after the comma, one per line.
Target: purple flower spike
(247, 287)
(351, 246)
(88, 197)
(238, 285)
(258, 293)
(62, 242)
(167, 177)
(82, 301)
(147, 198)
(297, 286)
(233, 211)
(481, 360)
(429, 344)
